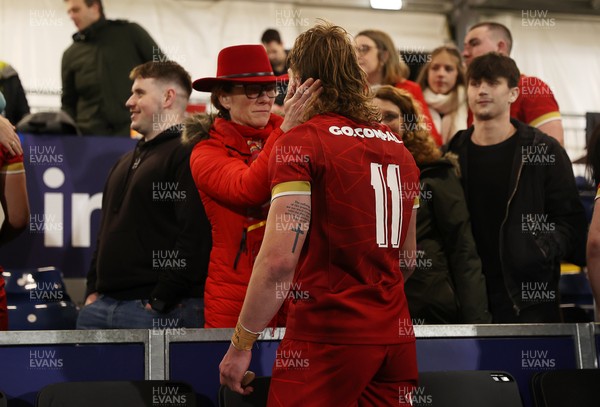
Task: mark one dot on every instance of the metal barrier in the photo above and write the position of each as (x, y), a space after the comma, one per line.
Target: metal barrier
(30, 360)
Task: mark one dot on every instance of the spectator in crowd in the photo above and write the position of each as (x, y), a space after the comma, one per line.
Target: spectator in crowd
(379, 58)
(13, 197)
(525, 210)
(593, 241)
(348, 317)
(95, 68)
(229, 165)
(535, 104)
(443, 82)
(447, 286)
(278, 58)
(152, 251)
(271, 39)
(16, 101)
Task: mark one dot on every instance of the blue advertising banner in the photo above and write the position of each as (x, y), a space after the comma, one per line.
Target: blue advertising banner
(29, 368)
(65, 179)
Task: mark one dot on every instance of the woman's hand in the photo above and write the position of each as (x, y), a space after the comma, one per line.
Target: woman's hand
(298, 97)
(9, 138)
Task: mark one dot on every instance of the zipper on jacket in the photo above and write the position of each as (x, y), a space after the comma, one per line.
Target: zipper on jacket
(241, 250)
(512, 195)
(135, 162)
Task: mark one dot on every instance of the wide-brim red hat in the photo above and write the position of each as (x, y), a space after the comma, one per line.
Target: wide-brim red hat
(241, 64)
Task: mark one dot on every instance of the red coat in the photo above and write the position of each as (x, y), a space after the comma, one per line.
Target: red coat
(415, 90)
(234, 187)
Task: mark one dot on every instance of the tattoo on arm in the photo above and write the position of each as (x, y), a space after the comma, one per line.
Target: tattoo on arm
(298, 213)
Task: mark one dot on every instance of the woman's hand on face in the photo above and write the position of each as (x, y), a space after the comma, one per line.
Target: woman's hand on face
(298, 97)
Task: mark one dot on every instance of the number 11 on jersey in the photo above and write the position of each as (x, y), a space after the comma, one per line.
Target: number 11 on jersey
(379, 181)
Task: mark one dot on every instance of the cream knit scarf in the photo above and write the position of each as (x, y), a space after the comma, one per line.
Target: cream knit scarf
(448, 117)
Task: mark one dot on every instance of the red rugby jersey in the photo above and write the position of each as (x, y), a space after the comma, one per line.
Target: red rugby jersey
(348, 287)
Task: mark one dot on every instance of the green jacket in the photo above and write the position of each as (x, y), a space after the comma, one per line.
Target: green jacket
(95, 74)
(447, 286)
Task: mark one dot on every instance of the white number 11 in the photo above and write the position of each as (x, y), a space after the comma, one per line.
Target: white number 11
(381, 203)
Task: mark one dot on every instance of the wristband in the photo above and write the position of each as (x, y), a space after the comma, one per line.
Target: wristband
(242, 338)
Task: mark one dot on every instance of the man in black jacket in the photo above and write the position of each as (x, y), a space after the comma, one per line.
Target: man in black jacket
(152, 250)
(525, 210)
(95, 68)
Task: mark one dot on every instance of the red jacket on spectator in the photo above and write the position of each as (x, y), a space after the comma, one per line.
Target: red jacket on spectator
(415, 90)
(231, 174)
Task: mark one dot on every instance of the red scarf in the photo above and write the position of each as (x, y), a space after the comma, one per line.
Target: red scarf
(237, 135)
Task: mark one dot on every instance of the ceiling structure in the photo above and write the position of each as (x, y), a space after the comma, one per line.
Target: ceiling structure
(462, 14)
(448, 7)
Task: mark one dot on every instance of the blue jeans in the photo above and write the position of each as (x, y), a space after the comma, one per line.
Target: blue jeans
(108, 313)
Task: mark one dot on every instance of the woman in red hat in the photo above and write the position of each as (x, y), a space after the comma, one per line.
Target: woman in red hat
(230, 167)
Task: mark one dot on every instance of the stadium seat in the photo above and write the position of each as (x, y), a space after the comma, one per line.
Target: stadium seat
(40, 285)
(117, 394)
(466, 389)
(577, 300)
(3, 400)
(40, 317)
(566, 388)
(258, 398)
(37, 300)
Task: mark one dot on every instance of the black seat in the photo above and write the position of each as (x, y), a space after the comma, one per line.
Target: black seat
(566, 388)
(37, 300)
(473, 388)
(258, 398)
(48, 123)
(117, 394)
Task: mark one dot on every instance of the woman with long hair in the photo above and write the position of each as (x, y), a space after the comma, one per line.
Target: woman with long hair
(379, 58)
(443, 82)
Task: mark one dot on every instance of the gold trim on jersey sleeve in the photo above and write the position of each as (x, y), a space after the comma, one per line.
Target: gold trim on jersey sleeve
(14, 168)
(290, 188)
(417, 202)
(545, 118)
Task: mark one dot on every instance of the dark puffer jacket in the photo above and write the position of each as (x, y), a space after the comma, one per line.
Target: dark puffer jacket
(448, 286)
